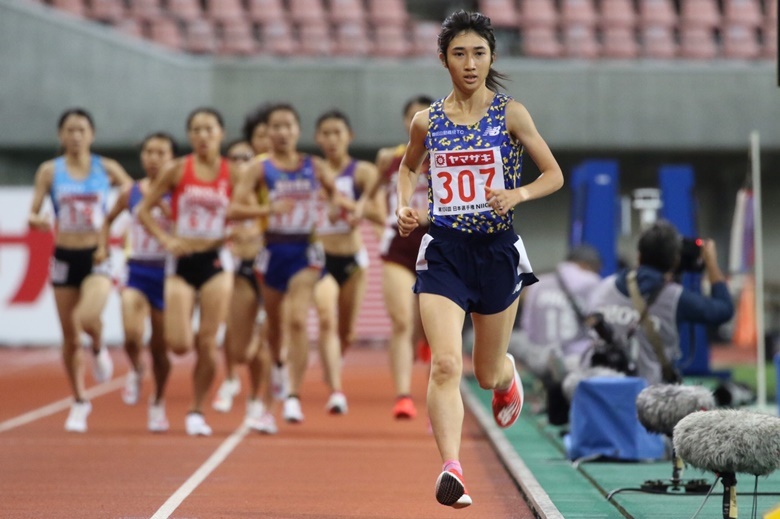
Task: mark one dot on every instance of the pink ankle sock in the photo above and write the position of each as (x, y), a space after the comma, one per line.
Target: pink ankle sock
(452, 464)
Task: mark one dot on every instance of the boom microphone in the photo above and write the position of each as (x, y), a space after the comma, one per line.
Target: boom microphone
(729, 441)
(662, 406)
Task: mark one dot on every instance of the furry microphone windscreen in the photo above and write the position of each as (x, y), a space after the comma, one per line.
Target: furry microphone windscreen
(573, 379)
(661, 406)
(729, 441)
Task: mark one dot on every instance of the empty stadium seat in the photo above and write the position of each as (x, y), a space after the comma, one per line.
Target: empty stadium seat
(697, 42)
(306, 11)
(110, 11)
(130, 27)
(619, 43)
(769, 39)
(579, 41)
(425, 37)
(533, 13)
(771, 11)
(387, 11)
(221, 10)
(700, 13)
(73, 7)
(185, 10)
(502, 13)
(391, 41)
(144, 9)
(351, 39)
(166, 32)
(347, 11)
(277, 39)
(578, 13)
(237, 38)
(740, 42)
(540, 42)
(200, 37)
(658, 42)
(657, 13)
(617, 14)
(314, 39)
(743, 12)
(266, 11)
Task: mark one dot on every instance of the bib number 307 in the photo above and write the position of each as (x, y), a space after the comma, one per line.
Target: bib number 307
(459, 179)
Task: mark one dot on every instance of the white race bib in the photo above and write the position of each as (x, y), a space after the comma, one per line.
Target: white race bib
(80, 212)
(459, 179)
(202, 216)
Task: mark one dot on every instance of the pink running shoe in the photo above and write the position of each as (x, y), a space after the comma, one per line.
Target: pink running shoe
(451, 490)
(507, 406)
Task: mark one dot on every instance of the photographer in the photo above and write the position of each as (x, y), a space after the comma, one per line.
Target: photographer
(667, 303)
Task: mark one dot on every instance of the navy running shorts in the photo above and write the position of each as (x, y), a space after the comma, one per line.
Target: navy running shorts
(277, 263)
(149, 279)
(481, 273)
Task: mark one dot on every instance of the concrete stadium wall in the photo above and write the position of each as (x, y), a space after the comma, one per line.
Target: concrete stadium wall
(49, 63)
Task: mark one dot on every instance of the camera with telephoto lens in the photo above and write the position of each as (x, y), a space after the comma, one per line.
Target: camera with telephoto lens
(690, 255)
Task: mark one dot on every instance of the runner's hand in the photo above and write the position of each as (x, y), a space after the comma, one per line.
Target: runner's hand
(408, 220)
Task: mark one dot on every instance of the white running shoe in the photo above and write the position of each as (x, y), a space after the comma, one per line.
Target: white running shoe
(254, 410)
(291, 410)
(258, 419)
(280, 381)
(132, 389)
(223, 400)
(337, 403)
(77, 418)
(196, 425)
(103, 369)
(157, 421)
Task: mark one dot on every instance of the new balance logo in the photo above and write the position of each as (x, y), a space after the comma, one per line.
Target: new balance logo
(509, 414)
(492, 131)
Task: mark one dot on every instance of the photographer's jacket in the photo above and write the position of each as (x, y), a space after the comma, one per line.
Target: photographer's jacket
(672, 306)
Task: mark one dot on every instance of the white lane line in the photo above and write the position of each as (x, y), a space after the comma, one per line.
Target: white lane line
(222, 452)
(517, 468)
(61, 405)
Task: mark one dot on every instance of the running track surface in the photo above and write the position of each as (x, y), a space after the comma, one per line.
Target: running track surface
(364, 464)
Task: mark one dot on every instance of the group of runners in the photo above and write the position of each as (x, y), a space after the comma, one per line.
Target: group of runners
(289, 221)
(253, 238)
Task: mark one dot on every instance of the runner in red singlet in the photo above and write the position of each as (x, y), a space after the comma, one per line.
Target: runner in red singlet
(198, 268)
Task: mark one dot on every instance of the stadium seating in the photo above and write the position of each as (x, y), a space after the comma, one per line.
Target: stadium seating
(109, 11)
(538, 13)
(347, 11)
(144, 10)
(502, 13)
(619, 42)
(314, 39)
(391, 41)
(266, 11)
(617, 14)
(585, 29)
(72, 7)
(222, 10)
(200, 37)
(237, 38)
(740, 41)
(658, 42)
(351, 39)
(697, 42)
(541, 42)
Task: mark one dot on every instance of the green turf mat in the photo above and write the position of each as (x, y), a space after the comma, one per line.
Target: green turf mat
(580, 493)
